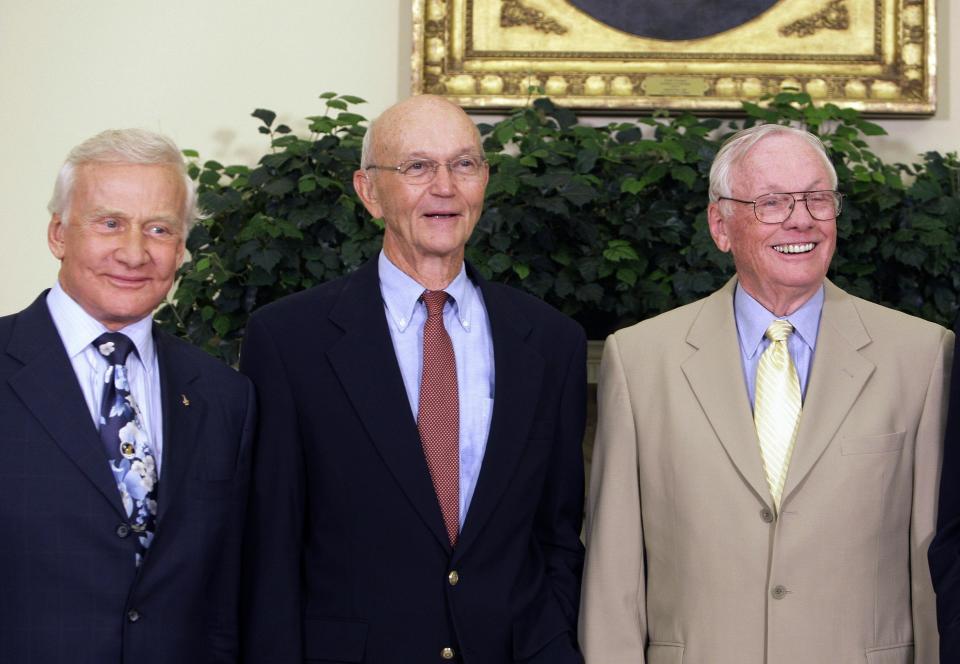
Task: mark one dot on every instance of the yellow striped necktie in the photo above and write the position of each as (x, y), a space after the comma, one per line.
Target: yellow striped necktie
(776, 409)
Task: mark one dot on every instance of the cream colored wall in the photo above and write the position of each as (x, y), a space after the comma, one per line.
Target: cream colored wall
(195, 70)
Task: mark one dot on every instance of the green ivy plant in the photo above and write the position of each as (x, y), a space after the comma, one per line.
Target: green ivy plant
(607, 223)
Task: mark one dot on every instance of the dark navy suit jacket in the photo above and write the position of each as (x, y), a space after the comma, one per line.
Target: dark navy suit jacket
(69, 590)
(945, 550)
(348, 557)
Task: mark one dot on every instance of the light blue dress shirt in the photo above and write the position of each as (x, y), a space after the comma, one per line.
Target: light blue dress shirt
(752, 323)
(465, 319)
(77, 330)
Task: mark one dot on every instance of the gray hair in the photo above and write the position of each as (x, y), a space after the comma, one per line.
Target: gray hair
(366, 149)
(736, 148)
(123, 146)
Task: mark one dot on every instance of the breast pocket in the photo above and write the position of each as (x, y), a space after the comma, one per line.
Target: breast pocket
(664, 653)
(892, 655)
(876, 444)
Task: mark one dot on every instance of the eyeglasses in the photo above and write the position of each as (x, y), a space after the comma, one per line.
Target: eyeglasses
(776, 208)
(422, 171)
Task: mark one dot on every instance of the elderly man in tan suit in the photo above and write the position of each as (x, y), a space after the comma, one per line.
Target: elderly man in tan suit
(765, 474)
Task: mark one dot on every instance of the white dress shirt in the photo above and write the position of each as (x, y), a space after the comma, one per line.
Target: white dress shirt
(77, 330)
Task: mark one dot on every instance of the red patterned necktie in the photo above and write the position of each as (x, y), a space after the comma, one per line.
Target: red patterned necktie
(438, 417)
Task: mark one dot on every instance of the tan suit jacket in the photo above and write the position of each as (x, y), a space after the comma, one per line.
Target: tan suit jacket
(686, 560)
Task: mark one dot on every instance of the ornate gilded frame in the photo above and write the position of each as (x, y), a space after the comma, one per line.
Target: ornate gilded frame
(878, 56)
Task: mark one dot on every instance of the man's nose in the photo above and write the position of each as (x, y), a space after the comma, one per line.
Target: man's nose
(443, 183)
(132, 251)
(800, 217)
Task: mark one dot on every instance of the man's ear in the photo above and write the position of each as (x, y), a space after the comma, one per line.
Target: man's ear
(718, 227)
(367, 191)
(55, 236)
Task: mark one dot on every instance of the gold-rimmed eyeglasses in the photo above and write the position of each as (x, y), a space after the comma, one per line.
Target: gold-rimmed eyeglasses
(776, 208)
(464, 167)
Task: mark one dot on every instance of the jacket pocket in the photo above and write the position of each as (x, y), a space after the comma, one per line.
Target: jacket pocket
(886, 442)
(665, 653)
(334, 640)
(902, 654)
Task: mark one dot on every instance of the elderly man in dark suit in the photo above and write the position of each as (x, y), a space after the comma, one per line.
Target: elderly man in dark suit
(944, 552)
(124, 453)
(418, 486)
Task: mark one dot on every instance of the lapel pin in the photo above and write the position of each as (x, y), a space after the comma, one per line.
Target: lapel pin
(184, 400)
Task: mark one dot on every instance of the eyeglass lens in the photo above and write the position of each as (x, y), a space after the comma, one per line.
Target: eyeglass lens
(426, 169)
(777, 208)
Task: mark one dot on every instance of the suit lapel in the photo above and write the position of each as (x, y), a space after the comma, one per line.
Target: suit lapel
(366, 364)
(715, 374)
(837, 377)
(518, 374)
(183, 413)
(47, 384)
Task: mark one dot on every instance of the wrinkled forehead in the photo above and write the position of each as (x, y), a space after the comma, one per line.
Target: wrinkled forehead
(436, 129)
(781, 162)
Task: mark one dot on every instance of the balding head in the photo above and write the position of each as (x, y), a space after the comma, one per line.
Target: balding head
(390, 126)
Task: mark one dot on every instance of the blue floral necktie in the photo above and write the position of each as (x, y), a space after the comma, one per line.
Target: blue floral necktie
(125, 440)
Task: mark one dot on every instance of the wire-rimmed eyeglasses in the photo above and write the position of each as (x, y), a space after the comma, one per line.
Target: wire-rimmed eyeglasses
(464, 167)
(776, 208)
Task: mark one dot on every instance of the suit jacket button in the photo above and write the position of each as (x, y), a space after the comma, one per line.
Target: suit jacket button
(453, 578)
(778, 592)
(447, 653)
(123, 530)
(767, 515)
(133, 615)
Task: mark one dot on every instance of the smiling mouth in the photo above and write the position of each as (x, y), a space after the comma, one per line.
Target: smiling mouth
(442, 215)
(127, 281)
(804, 248)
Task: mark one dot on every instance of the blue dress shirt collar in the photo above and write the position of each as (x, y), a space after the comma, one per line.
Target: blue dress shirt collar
(401, 293)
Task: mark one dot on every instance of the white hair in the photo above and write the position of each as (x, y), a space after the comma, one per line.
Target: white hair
(366, 149)
(736, 148)
(123, 146)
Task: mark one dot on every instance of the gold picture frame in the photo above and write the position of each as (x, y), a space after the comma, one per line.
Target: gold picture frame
(878, 56)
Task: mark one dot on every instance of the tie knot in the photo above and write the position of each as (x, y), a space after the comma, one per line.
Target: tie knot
(434, 300)
(779, 330)
(114, 346)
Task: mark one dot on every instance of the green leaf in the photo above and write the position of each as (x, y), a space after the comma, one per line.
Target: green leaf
(306, 184)
(504, 133)
(279, 186)
(265, 116)
(499, 262)
(619, 250)
(632, 186)
(266, 259)
(684, 174)
(221, 324)
(522, 270)
(627, 276)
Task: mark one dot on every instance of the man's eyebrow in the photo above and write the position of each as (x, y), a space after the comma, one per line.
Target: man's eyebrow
(460, 152)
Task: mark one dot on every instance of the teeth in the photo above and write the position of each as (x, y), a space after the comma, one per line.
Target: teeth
(795, 248)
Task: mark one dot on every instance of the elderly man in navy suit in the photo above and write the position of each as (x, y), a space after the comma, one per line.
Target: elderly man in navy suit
(124, 453)
(418, 487)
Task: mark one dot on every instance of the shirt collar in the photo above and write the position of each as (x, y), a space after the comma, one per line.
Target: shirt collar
(753, 319)
(401, 293)
(78, 329)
